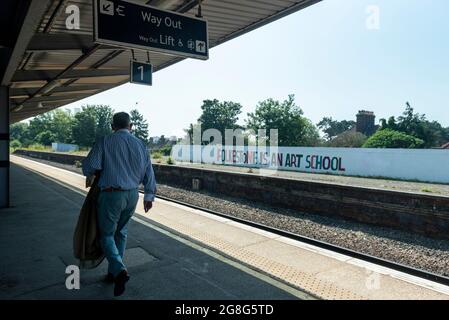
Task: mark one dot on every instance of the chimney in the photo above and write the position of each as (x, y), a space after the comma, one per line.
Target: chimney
(366, 122)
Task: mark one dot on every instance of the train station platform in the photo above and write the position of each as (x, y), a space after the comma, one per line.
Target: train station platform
(175, 252)
(36, 245)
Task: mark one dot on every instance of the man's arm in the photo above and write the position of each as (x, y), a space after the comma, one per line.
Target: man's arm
(149, 183)
(94, 160)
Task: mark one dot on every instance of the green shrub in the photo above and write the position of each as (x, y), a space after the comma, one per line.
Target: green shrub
(156, 155)
(46, 137)
(388, 138)
(26, 143)
(170, 160)
(166, 150)
(15, 144)
(36, 146)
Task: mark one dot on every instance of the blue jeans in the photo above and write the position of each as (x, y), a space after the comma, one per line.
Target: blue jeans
(115, 209)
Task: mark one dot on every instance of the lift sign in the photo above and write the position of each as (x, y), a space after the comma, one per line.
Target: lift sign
(141, 73)
(134, 26)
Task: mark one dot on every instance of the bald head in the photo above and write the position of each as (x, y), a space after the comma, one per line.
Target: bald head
(121, 120)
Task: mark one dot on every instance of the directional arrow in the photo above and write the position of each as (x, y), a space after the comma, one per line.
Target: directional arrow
(120, 11)
(107, 7)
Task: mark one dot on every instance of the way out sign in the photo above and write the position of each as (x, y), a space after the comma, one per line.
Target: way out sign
(135, 26)
(141, 73)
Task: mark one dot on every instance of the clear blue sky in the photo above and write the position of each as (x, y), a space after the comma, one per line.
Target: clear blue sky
(325, 55)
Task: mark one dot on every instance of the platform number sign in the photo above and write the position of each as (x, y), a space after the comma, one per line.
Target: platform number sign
(141, 73)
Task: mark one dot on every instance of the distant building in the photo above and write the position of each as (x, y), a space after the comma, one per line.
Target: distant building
(156, 139)
(366, 123)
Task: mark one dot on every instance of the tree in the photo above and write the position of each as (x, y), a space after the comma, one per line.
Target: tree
(333, 128)
(348, 139)
(92, 123)
(104, 116)
(56, 124)
(61, 126)
(15, 144)
(140, 126)
(162, 141)
(19, 131)
(216, 115)
(390, 124)
(46, 138)
(287, 118)
(219, 115)
(311, 137)
(415, 124)
(40, 123)
(388, 138)
(84, 126)
(166, 150)
(434, 134)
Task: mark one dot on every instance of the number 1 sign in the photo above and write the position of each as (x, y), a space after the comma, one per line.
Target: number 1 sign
(141, 73)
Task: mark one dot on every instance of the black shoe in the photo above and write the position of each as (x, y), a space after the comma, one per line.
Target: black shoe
(109, 278)
(120, 282)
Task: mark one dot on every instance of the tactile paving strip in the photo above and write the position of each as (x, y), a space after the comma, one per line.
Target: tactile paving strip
(299, 279)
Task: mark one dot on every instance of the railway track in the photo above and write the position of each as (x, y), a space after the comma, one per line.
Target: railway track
(324, 245)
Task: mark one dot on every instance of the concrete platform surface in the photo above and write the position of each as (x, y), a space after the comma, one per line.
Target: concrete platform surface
(36, 246)
(319, 272)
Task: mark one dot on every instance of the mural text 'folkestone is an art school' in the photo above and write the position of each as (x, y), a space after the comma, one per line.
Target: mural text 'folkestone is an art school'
(408, 164)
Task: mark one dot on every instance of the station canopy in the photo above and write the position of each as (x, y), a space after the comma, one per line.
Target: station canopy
(48, 66)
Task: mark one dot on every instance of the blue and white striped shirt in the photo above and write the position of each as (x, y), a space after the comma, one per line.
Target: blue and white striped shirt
(124, 163)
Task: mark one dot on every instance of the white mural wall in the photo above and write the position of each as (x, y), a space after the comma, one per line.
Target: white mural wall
(429, 165)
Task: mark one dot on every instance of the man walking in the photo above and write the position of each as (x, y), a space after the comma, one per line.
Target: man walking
(124, 163)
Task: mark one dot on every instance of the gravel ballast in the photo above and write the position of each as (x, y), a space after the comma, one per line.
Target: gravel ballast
(398, 246)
